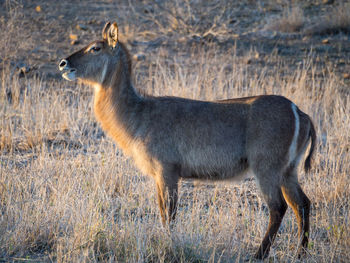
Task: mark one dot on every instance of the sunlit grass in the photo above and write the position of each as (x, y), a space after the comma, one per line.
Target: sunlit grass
(68, 194)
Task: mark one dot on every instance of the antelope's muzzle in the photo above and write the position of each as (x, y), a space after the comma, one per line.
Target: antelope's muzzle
(68, 73)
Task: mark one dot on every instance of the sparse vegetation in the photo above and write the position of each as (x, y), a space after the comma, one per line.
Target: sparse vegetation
(336, 20)
(67, 194)
(292, 20)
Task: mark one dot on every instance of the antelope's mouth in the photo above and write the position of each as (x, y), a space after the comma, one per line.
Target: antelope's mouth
(69, 74)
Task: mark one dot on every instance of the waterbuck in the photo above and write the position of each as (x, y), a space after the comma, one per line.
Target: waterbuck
(171, 138)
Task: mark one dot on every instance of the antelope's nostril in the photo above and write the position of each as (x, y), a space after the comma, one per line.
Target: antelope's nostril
(63, 64)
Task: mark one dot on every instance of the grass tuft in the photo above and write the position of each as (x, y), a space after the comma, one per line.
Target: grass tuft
(292, 20)
(335, 21)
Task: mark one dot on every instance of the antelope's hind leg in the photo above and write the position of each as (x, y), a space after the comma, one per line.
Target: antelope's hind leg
(273, 196)
(300, 204)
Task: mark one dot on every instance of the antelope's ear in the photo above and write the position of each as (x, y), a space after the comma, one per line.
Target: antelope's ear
(110, 33)
(105, 30)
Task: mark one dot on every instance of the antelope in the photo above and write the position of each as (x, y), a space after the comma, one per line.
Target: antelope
(172, 138)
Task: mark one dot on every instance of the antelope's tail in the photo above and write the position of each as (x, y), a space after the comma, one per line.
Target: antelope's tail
(312, 135)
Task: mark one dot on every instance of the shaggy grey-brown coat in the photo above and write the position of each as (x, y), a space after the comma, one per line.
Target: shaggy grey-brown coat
(171, 138)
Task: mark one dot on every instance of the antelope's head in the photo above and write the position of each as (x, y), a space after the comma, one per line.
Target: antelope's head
(94, 62)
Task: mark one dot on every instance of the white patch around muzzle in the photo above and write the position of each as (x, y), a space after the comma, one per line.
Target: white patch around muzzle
(70, 75)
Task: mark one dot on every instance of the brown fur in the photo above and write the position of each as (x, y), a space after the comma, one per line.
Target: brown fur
(171, 138)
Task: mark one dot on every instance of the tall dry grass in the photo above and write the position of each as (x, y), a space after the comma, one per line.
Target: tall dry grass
(67, 194)
(332, 19)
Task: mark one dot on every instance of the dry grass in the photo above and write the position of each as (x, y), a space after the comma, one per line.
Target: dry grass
(330, 20)
(11, 38)
(68, 194)
(292, 20)
(336, 20)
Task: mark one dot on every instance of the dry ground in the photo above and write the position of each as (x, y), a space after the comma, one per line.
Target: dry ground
(68, 194)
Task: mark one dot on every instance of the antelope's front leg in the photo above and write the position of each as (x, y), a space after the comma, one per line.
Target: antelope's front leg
(167, 188)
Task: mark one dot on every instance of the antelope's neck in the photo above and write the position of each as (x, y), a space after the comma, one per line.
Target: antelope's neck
(116, 108)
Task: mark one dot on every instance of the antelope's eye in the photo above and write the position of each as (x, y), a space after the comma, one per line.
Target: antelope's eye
(95, 49)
